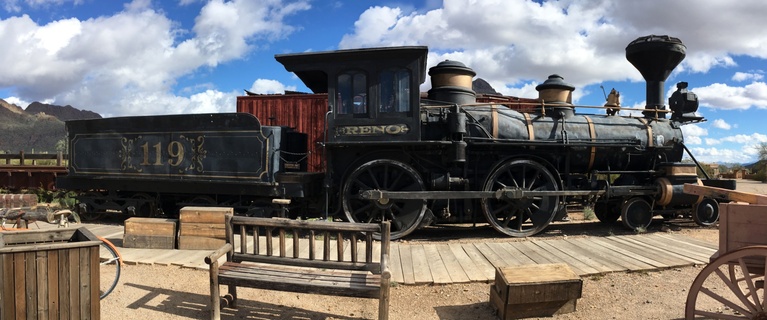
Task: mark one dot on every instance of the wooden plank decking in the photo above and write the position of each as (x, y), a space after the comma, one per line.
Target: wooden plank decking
(443, 262)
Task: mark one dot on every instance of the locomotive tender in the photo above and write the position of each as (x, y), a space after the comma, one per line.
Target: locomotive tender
(391, 153)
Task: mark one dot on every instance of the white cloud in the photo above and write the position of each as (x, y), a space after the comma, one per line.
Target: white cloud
(113, 64)
(721, 124)
(723, 96)
(266, 86)
(693, 133)
(746, 76)
(711, 142)
(718, 155)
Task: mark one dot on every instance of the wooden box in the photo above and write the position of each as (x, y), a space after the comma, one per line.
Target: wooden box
(150, 233)
(202, 228)
(48, 274)
(535, 291)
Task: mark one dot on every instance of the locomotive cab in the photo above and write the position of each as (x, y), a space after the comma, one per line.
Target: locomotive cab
(373, 94)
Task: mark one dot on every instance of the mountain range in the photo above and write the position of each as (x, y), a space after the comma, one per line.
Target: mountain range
(37, 129)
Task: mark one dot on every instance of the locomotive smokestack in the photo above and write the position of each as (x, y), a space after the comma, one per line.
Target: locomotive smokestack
(655, 57)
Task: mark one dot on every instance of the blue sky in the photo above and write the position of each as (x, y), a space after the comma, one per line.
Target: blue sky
(147, 57)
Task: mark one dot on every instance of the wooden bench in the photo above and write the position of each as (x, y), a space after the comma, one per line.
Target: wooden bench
(317, 257)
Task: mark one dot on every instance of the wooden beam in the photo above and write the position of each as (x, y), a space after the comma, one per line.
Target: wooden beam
(725, 194)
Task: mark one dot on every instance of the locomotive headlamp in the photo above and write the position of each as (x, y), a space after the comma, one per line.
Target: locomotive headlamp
(683, 104)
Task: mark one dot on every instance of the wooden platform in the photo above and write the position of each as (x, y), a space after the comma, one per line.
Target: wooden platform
(443, 263)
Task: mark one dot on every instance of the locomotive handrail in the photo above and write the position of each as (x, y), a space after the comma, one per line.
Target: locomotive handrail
(506, 193)
(543, 104)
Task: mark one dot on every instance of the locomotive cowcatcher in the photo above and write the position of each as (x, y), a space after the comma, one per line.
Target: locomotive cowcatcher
(389, 152)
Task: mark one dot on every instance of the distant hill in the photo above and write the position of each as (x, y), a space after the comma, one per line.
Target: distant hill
(37, 129)
(64, 113)
(481, 86)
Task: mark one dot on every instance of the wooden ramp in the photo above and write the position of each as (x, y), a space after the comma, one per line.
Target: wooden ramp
(450, 262)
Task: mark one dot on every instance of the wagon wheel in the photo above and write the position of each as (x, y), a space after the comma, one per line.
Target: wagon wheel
(706, 213)
(86, 210)
(526, 216)
(145, 205)
(607, 212)
(387, 175)
(737, 295)
(636, 214)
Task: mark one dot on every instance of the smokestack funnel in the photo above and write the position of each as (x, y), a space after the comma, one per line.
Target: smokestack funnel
(655, 57)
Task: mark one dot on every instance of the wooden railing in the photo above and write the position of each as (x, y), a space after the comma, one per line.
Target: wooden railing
(33, 157)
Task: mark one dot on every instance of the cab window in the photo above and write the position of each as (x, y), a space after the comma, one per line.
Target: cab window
(395, 91)
(352, 93)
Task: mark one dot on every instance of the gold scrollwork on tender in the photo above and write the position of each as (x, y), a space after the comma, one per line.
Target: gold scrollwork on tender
(198, 154)
(125, 154)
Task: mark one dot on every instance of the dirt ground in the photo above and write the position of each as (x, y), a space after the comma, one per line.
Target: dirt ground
(160, 292)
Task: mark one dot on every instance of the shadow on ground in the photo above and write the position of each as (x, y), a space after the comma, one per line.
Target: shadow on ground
(197, 306)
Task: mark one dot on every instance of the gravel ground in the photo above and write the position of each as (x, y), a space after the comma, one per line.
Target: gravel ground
(160, 292)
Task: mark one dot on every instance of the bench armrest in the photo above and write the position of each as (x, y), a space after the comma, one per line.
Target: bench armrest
(215, 255)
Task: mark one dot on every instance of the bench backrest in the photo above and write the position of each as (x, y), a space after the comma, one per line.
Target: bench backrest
(307, 243)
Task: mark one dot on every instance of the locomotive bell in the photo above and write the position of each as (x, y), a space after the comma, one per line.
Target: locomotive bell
(655, 57)
(451, 82)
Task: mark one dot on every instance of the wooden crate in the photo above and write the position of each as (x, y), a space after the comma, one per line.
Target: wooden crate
(49, 274)
(150, 233)
(535, 291)
(742, 225)
(202, 228)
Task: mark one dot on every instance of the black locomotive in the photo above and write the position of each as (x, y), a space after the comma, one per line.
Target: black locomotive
(392, 153)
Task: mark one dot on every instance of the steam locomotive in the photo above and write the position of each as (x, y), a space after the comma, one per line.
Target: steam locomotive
(390, 152)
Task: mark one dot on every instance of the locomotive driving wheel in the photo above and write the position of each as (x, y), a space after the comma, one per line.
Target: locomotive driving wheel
(386, 175)
(528, 215)
(730, 287)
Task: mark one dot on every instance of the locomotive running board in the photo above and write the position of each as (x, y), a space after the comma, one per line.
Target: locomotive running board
(499, 194)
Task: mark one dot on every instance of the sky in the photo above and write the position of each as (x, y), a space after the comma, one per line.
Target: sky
(144, 57)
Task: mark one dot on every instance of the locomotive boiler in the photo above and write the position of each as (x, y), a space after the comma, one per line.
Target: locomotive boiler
(390, 152)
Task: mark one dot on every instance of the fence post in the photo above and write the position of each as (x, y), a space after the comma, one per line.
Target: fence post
(21, 157)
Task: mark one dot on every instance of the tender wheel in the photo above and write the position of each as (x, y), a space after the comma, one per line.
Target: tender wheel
(730, 287)
(203, 201)
(607, 212)
(636, 214)
(86, 209)
(145, 205)
(388, 175)
(706, 213)
(526, 216)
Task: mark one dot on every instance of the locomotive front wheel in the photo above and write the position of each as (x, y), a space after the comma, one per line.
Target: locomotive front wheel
(528, 215)
(636, 214)
(730, 287)
(706, 213)
(387, 175)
